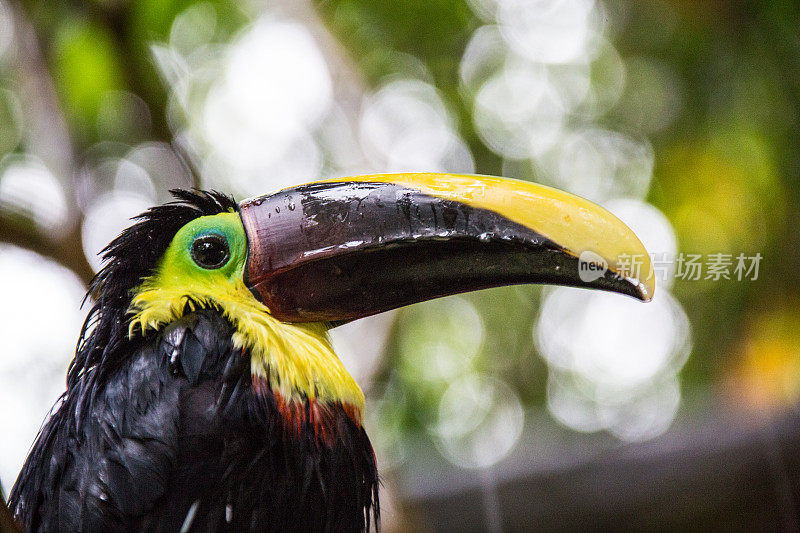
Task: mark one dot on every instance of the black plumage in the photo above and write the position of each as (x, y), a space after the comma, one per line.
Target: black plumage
(169, 430)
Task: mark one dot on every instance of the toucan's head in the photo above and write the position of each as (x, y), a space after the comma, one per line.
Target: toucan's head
(285, 267)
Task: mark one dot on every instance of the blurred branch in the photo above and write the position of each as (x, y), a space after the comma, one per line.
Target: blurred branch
(349, 84)
(48, 137)
(116, 16)
(47, 134)
(66, 251)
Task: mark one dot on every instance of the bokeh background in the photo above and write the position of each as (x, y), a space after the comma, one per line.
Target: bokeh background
(504, 409)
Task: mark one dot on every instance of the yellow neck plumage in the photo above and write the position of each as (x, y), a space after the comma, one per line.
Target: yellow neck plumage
(297, 360)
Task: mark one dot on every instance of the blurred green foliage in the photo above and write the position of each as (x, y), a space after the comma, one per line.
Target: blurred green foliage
(86, 65)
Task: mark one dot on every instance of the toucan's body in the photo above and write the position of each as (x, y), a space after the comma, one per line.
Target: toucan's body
(205, 395)
(157, 452)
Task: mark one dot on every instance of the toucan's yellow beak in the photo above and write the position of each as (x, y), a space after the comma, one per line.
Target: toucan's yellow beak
(341, 249)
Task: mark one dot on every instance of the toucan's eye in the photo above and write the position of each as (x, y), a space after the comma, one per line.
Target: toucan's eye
(210, 251)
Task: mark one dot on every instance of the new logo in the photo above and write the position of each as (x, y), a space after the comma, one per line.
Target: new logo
(591, 266)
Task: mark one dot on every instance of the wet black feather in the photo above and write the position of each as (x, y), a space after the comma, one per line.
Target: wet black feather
(153, 426)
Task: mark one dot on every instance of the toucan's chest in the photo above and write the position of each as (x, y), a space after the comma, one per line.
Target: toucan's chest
(251, 458)
(260, 465)
(204, 350)
(296, 475)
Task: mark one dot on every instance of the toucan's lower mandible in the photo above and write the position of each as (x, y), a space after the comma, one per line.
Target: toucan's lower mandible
(346, 248)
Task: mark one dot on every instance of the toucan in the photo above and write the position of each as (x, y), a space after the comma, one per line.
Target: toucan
(205, 395)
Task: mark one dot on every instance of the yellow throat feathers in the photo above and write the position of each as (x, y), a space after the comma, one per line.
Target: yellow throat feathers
(297, 360)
